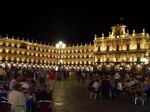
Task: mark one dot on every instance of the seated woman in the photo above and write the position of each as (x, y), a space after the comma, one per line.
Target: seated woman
(43, 94)
(43, 98)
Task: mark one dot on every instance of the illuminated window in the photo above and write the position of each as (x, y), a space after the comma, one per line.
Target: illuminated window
(1, 58)
(22, 52)
(18, 45)
(45, 61)
(32, 53)
(36, 54)
(45, 55)
(85, 56)
(76, 62)
(41, 49)
(28, 53)
(18, 51)
(37, 48)
(7, 43)
(18, 59)
(36, 60)
(27, 60)
(12, 51)
(80, 62)
(1, 42)
(6, 58)
(41, 61)
(12, 58)
(40, 55)
(6, 50)
(1, 50)
(89, 62)
(12, 44)
(32, 48)
(23, 59)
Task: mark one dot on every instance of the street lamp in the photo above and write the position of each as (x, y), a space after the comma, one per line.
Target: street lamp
(60, 45)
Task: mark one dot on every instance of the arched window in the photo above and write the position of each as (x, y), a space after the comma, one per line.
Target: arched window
(117, 48)
(138, 46)
(107, 48)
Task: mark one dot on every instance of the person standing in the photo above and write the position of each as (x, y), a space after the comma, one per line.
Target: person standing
(12, 83)
(106, 87)
(52, 78)
(17, 99)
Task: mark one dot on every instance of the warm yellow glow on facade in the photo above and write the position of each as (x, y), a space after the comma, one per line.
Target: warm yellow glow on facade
(12, 59)
(6, 50)
(1, 50)
(1, 57)
(18, 45)
(12, 44)
(18, 59)
(118, 47)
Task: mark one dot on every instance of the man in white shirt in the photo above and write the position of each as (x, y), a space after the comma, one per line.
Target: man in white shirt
(12, 83)
(96, 85)
(17, 99)
(119, 88)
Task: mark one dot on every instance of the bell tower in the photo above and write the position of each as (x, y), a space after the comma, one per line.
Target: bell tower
(118, 30)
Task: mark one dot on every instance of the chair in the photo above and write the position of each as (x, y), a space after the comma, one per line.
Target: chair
(6, 107)
(139, 96)
(44, 105)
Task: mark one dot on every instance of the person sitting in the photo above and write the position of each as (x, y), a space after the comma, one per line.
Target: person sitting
(43, 94)
(43, 99)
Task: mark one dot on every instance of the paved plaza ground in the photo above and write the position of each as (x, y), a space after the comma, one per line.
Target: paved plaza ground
(72, 96)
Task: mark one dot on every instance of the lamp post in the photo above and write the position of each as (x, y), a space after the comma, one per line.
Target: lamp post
(60, 45)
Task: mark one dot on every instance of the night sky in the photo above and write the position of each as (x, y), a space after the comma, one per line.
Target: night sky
(71, 22)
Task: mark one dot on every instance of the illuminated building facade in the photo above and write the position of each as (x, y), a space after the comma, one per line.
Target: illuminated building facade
(119, 48)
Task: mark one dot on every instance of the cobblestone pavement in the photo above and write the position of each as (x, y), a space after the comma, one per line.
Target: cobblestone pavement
(72, 96)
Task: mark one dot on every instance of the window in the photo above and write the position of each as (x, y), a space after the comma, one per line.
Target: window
(107, 48)
(117, 48)
(99, 48)
(128, 46)
(138, 46)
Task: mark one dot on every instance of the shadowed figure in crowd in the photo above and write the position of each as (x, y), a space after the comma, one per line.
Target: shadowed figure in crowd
(106, 86)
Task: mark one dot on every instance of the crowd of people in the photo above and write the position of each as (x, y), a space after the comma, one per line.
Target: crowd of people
(117, 86)
(24, 87)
